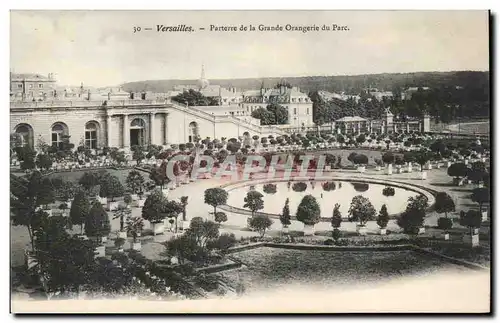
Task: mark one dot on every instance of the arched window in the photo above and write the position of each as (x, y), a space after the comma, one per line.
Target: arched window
(25, 134)
(59, 131)
(193, 131)
(91, 130)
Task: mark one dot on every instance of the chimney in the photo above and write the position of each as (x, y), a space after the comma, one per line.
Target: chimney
(88, 95)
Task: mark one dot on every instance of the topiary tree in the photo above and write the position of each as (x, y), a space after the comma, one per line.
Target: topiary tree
(220, 217)
(360, 159)
(471, 219)
(184, 203)
(388, 158)
(89, 180)
(79, 210)
(383, 217)
(422, 157)
(299, 186)
(153, 210)
(97, 222)
(481, 195)
(308, 211)
(336, 217)
(445, 224)
(215, 196)
(254, 201)
(444, 204)
(122, 213)
(260, 223)
(135, 183)
(412, 219)
(388, 191)
(285, 215)
(111, 187)
(269, 188)
(361, 210)
(458, 171)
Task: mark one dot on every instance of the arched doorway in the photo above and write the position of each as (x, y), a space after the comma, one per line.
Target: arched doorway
(193, 131)
(91, 134)
(58, 132)
(137, 132)
(24, 133)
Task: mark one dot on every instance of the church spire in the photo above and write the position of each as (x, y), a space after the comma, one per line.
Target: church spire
(202, 72)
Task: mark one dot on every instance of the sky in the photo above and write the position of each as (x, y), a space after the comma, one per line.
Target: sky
(99, 48)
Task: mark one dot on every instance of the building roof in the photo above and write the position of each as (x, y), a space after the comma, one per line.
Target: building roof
(351, 119)
(30, 76)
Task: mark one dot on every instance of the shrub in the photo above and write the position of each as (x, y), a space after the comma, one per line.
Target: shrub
(299, 187)
(270, 188)
(329, 186)
(388, 191)
(444, 224)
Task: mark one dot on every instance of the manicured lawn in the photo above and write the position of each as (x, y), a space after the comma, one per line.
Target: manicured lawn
(274, 268)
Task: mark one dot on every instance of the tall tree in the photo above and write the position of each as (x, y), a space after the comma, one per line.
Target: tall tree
(215, 197)
(79, 210)
(254, 201)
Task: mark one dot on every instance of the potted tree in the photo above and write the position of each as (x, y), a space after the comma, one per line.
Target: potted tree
(399, 161)
(122, 212)
(63, 207)
(79, 210)
(444, 204)
(111, 188)
(134, 228)
(445, 224)
(254, 202)
(97, 226)
(472, 220)
(409, 158)
(383, 219)
(135, 183)
(458, 171)
(285, 217)
(119, 242)
(422, 157)
(172, 209)
(388, 159)
(153, 211)
(184, 203)
(215, 196)
(336, 220)
(361, 210)
(412, 219)
(481, 195)
(379, 163)
(361, 160)
(309, 213)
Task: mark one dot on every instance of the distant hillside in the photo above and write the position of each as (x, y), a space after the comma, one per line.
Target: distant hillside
(350, 84)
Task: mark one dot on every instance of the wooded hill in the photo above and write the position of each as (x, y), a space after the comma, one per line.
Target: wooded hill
(352, 84)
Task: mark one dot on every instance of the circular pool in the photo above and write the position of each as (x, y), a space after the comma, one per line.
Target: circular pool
(326, 192)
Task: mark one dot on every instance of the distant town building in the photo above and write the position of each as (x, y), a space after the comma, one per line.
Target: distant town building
(328, 96)
(407, 94)
(31, 87)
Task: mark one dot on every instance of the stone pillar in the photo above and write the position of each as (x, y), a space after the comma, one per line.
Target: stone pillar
(151, 128)
(407, 127)
(126, 132)
(166, 128)
(108, 131)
